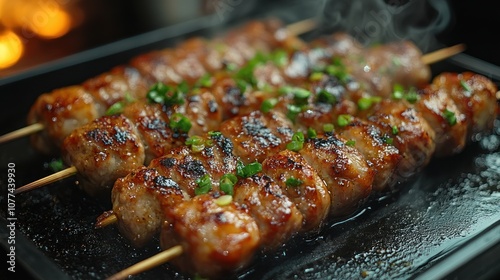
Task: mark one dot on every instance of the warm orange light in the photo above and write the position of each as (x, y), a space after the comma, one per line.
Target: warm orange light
(54, 24)
(11, 49)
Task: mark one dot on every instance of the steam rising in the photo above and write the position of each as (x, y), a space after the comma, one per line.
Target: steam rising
(379, 21)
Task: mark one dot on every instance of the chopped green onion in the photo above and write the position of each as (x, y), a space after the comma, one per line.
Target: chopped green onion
(293, 182)
(180, 123)
(196, 143)
(116, 108)
(224, 200)
(350, 143)
(450, 117)
(328, 127)
(389, 140)
(465, 85)
(395, 130)
(366, 102)
(231, 66)
(293, 111)
(242, 85)
(163, 94)
(214, 133)
(311, 133)
(204, 185)
(227, 182)
(412, 95)
(326, 97)
(344, 120)
(204, 81)
(398, 91)
(315, 76)
(300, 95)
(279, 57)
(268, 104)
(56, 165)
(297, 142)
(183, 87)
(248, 170)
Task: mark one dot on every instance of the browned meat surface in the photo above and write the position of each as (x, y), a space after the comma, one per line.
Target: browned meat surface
(217, 238)
(153, 126)
(276, 215)
(61, 112)
(302, 185)
(139, 200)
(412, 136)
(377, 148)
(119, 83)
(110, 149)
(345, 171)
(257, 135)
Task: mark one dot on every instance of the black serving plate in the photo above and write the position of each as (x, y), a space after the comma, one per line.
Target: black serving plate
(442, 224)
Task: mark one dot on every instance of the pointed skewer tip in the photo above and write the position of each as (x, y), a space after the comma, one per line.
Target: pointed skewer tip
(148, 263)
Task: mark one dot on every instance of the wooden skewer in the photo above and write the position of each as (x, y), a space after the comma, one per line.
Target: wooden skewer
(106, 219)
(148, 263)
(25, 131)
(70, 171)
(442, 54)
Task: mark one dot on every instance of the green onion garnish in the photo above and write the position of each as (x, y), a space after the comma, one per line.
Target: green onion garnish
(311, 133)
(328, 127)
(465, 85)
(268, 105)
(398, 91)
(227, 182)
(350, 143)
(196, 143)
(293, 182)
(204, 185)
(324, 96)
(367, 102)
(204, 81)
(293, 111)
(116, 108)
(163, 94)
(297, 142)
(248, 170)
(389, 140)
(450, 117)
(56, 165)
(279, 57)
(344, 120)
(180, 123)
(224, 200)
(395, 130)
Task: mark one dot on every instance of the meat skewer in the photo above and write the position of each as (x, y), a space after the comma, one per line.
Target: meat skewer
(422, 74)
(58, 113)
(182, 223)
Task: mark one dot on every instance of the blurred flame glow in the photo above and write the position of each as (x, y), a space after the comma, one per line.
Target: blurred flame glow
(11, 48)
(52, 24)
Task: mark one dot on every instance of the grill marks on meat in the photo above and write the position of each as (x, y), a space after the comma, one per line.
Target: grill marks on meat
(227, 237)
(256, 136)
(110, 143)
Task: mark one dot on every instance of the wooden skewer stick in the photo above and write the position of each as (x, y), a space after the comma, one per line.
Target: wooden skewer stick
(442, 54)
(148, 263)
(25, 131)
(106, 219)
(70, 171)
(301, 27)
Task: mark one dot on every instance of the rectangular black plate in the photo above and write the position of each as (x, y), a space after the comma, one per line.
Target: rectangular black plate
(448, 211)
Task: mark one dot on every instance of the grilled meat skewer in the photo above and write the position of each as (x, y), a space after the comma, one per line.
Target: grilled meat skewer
(61, 111)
